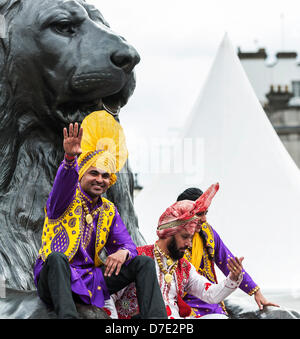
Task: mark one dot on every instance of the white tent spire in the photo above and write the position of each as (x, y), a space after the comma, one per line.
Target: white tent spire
(256, 211)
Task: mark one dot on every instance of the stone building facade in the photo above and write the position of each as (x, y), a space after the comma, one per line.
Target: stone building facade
(277, 86)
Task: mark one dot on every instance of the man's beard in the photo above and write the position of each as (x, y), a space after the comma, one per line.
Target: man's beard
(174, 252)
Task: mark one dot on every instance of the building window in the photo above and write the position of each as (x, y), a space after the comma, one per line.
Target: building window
(296, 88)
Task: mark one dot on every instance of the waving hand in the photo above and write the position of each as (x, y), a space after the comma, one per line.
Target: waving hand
(72, 140)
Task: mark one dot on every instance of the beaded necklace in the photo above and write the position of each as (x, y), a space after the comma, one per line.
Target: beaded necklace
(168, 275)
(89, 217)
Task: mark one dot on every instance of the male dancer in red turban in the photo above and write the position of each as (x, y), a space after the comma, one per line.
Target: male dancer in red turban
(176, 275)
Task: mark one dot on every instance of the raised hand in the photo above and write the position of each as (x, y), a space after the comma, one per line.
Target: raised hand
(72, 140)
(235, 267)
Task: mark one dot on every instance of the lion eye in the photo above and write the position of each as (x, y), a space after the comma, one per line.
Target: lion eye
(65, 28)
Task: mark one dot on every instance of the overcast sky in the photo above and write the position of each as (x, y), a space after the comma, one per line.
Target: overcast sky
(177, 41)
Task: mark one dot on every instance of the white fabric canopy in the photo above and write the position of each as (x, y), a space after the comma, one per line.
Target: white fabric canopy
(257, 209)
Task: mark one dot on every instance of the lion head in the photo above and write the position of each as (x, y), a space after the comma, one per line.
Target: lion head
(62, 56)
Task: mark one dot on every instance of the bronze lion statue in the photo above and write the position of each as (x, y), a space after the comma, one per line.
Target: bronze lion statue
(59, 61)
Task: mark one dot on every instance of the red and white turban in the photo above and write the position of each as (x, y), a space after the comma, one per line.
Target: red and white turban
(182, 214)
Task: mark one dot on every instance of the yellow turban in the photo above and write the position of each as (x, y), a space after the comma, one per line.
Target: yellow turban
(103, 145)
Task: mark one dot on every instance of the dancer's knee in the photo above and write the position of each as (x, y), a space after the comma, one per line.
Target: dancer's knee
(57, 258)
(144, 262)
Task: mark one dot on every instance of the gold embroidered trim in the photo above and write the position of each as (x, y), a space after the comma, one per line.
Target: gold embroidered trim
(175, 223)
(67, 211)
(255, 289)
(207, 271)
(69, 228)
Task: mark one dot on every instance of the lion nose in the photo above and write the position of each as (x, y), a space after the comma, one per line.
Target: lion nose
(126, 60)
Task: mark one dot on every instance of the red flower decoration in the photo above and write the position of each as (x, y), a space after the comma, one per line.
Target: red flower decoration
(108, 312)
(168, 311)
(207, 286)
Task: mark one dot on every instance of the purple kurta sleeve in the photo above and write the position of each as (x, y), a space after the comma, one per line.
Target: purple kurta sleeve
(63, 190)
(60, 197)
(222, 253)
(119, 238)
